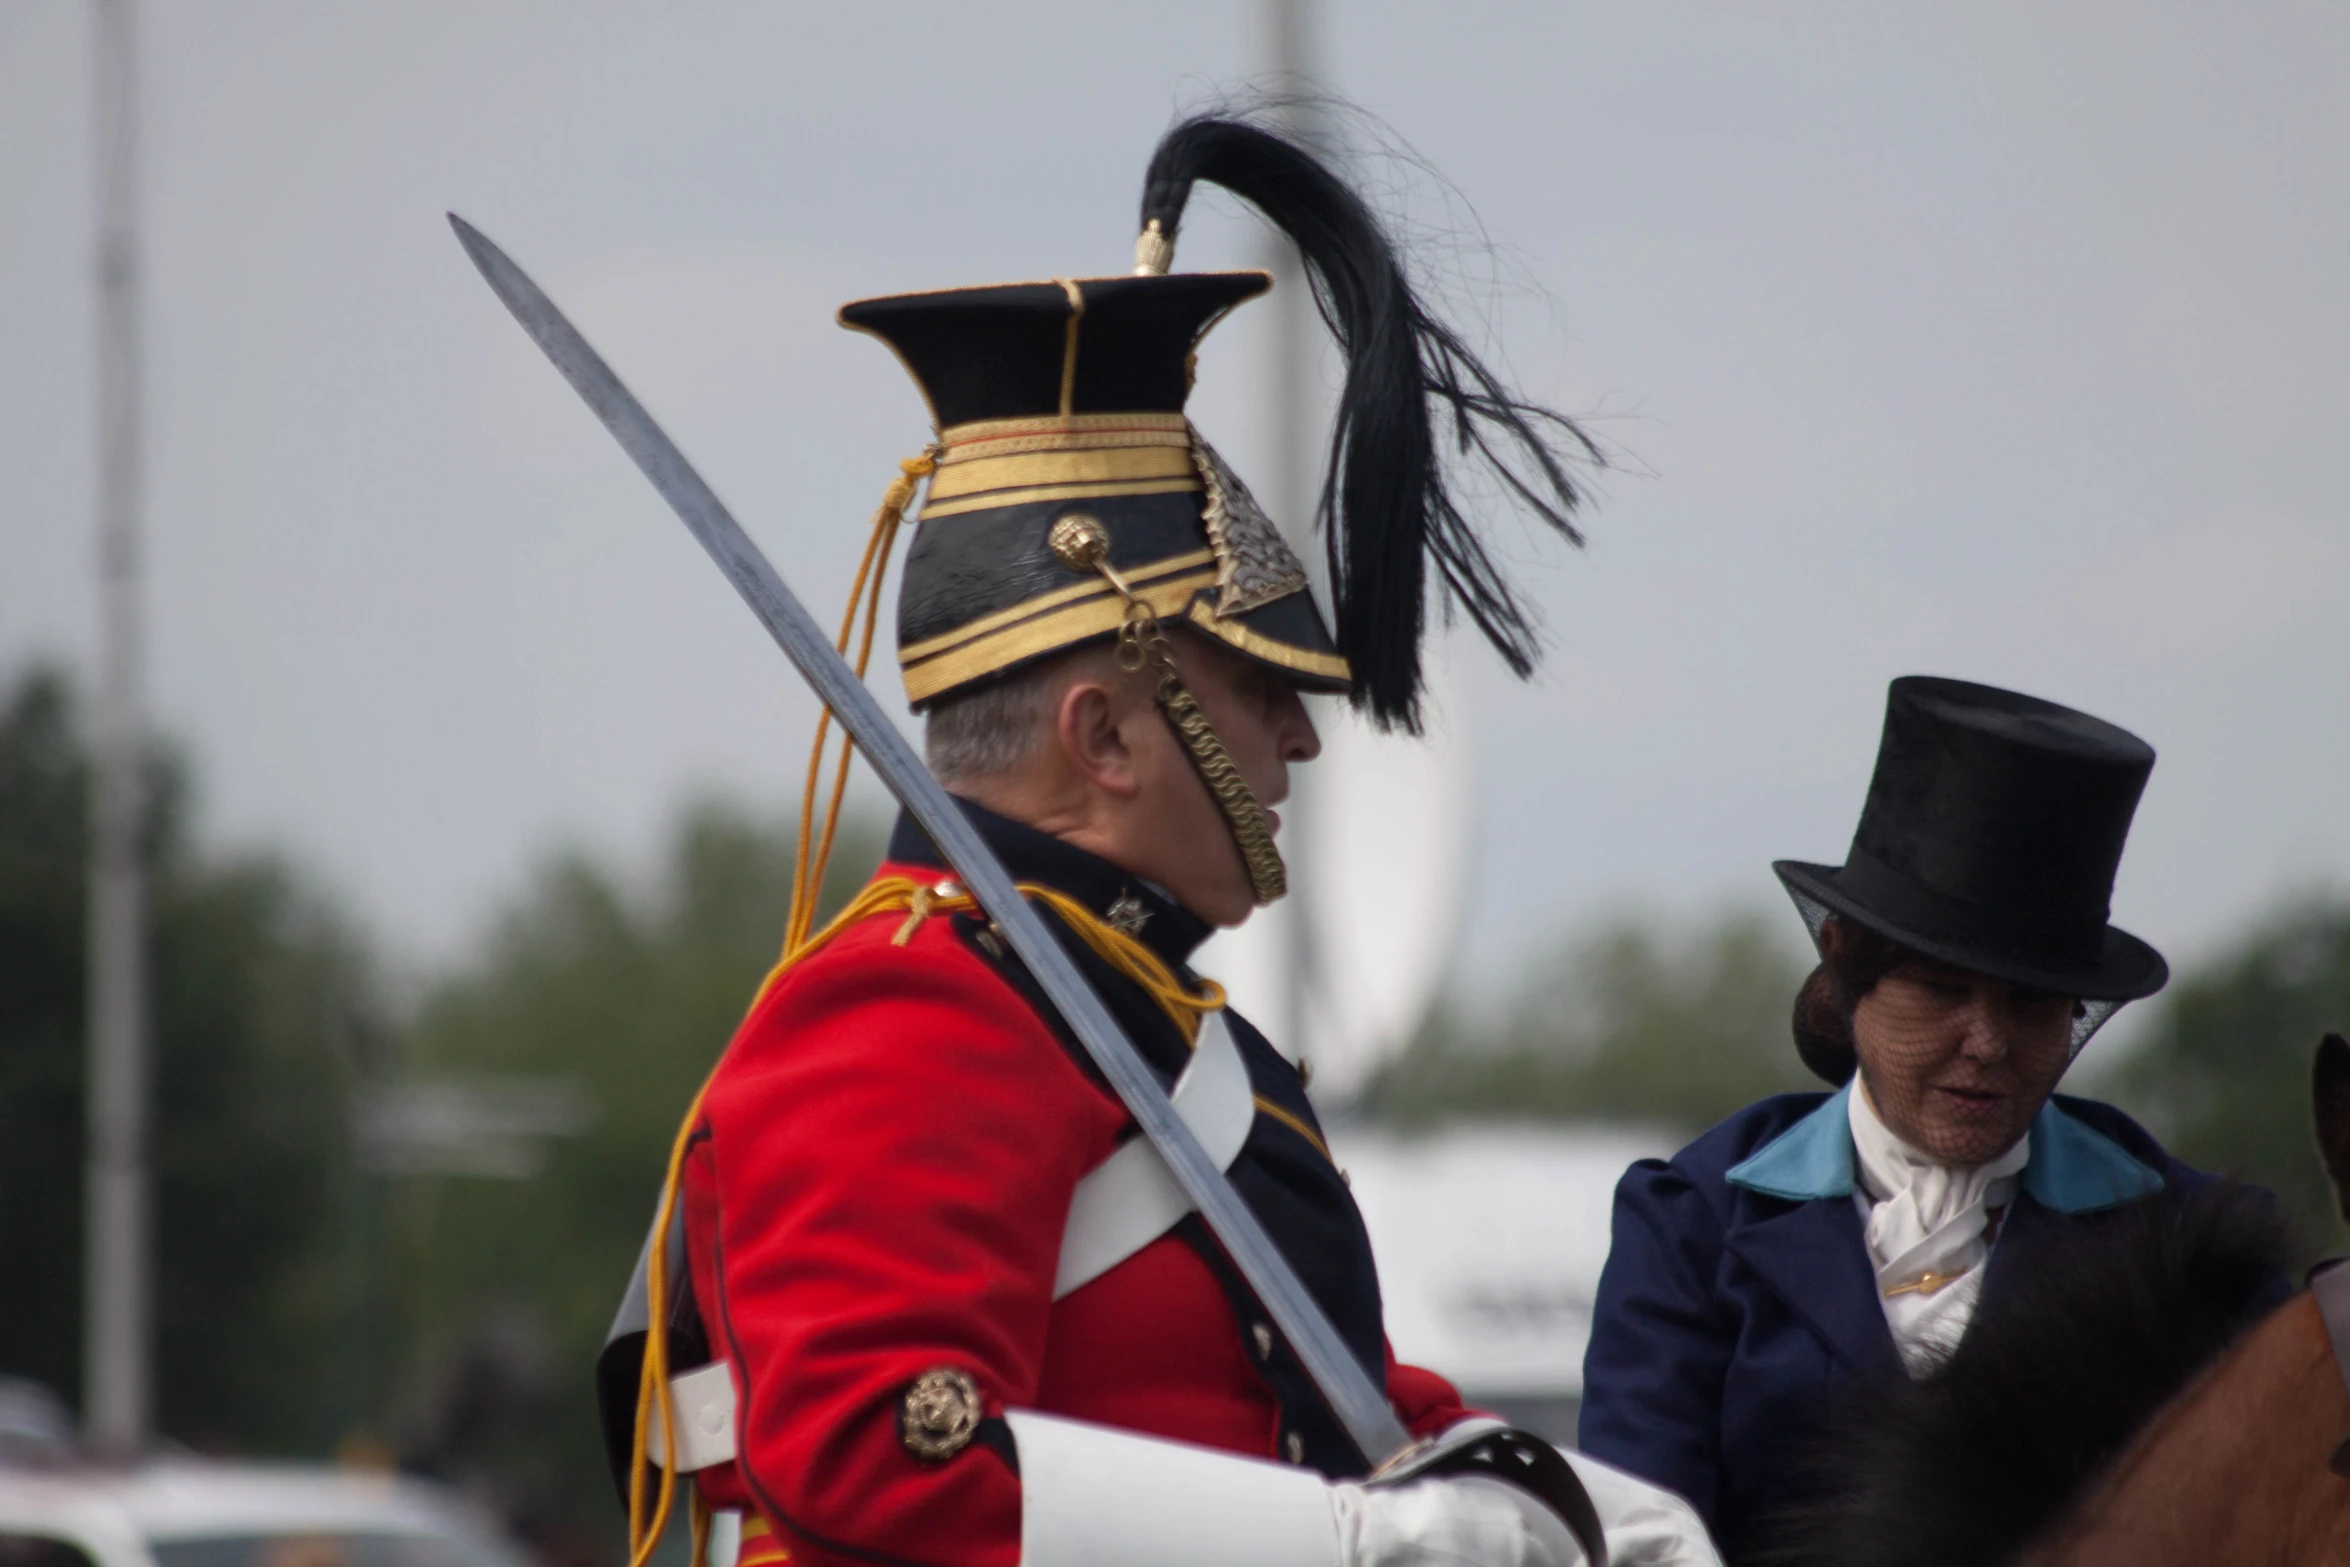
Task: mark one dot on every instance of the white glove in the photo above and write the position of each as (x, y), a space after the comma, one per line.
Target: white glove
(1647, 1525)
(1448, 1519)
(1092, 1494)
(1467, 1517)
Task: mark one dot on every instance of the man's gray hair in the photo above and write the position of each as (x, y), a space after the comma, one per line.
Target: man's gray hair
(992, 729)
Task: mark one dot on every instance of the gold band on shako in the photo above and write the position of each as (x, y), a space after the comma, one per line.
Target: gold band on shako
(1052, 621)
(1010, 462)
(989, 464)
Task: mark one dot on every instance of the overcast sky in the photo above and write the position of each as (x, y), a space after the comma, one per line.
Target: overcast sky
(2001, 341)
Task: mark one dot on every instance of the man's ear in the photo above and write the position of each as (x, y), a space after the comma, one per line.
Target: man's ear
(2330, 1096)
(1089, 724)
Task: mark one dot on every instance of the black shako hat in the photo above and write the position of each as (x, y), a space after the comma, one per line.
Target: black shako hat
(1064, 399)
(1993, 828)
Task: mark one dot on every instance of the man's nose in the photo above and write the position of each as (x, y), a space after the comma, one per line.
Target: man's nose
(1299, 740)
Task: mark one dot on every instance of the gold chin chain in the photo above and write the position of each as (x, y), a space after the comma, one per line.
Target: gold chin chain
(1081, 543)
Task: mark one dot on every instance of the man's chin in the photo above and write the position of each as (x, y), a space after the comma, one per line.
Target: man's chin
(1230, 915)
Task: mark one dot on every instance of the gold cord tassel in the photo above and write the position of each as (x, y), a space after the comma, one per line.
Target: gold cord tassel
(697, 1531)
(889, 895)
(813, 857)
(648, 1517)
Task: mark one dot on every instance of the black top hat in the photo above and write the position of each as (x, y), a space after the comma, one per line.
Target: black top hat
(1993, 828)
(1067, 396)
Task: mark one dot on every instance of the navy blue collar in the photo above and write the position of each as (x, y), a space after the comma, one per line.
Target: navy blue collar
(2072, 1168)
(1167, 928)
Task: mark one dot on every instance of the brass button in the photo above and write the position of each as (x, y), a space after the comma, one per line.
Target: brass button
(940, 1415)
(1264, 1338)
(1296, 1446)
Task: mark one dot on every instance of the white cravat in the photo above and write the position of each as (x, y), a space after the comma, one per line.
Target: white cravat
(1925, 1222)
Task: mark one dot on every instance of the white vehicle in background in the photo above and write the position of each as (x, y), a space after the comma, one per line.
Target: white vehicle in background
(191, 1512)
(57, 1510)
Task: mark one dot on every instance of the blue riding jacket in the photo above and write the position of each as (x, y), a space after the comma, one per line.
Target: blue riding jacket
(1738, 1293)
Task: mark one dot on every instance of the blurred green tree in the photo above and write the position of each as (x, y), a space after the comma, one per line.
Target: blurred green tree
(260, 994)
(627, 992)
(1629, 1025)
(2223, 1074)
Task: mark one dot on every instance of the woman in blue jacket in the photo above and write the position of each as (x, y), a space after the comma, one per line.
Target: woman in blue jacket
(1809, 1239)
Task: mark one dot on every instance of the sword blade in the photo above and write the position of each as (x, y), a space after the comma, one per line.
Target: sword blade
(1358, 1402)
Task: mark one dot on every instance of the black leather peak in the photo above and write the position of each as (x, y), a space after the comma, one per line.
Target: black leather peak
(997, 352)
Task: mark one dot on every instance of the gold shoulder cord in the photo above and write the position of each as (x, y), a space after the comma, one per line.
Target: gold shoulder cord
(1081, 543)
(649, 1514)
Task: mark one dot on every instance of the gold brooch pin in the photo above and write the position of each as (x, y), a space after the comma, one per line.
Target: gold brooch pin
(1927, 1283)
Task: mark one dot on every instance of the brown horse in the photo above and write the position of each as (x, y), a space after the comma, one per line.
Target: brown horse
(2140, 1400)
(2238, 1469)
(2252, 1462)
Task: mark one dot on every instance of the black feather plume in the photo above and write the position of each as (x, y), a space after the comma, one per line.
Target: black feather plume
(1388, 504)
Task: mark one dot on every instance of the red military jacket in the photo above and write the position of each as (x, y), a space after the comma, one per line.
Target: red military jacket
(877, 1188)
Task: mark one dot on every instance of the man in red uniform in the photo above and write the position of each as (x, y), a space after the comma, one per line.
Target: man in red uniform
(952, 1308)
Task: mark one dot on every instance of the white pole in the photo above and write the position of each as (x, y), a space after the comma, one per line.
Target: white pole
(116, 1345)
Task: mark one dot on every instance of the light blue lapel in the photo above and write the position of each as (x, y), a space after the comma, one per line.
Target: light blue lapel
(1811, 1159)
(1812, 1255)
(2077, 1169)
(2073, 1167)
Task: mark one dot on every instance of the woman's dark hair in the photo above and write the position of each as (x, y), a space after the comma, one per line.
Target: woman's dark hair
(1853, 959)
